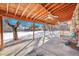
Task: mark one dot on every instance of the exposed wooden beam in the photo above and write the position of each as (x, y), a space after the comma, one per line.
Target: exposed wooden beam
(64, 6)
(36, 17)
(10, 15)
(60, 14)
(42, 17)
(34, 8)
(25, 9)
(39, 11)
(52, 6)
(47, 5)
(7, 8)
(42, 13)
(56, 7)
(1, 33)
(65, 14)
(47, 9)
(17, 8)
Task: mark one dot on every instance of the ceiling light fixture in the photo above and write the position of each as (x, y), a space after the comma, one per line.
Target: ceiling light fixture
(51, 17)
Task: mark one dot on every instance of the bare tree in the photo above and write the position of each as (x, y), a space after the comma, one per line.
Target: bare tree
(14, 28)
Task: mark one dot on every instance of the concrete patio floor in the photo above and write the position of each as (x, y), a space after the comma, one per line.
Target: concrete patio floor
(54, 47)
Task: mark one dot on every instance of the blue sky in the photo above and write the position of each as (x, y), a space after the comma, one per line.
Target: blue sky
(23, 23)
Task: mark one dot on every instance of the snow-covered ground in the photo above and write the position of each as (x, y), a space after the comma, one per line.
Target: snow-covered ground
(9, 35)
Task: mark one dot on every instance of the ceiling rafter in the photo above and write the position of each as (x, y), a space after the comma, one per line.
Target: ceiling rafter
(61, 8)
(44, 18)
(7, 8)
(25, 9)
(65, 9)
(42, 13)
(41, 17)
(45, 15)
(29, 9)
(2, 13)
(34, 9)
(17, 8)
(39, 11)
(62, 11)
(70, 14)
(47, 5)
(52, 6)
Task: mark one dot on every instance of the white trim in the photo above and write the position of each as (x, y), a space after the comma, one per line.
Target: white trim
(39, 1)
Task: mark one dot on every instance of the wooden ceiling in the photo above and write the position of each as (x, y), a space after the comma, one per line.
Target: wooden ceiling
(38, 12)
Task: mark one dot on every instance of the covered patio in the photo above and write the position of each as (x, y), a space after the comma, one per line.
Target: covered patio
(50, 15)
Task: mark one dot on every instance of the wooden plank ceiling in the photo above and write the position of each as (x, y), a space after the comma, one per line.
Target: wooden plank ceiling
(35, 12)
